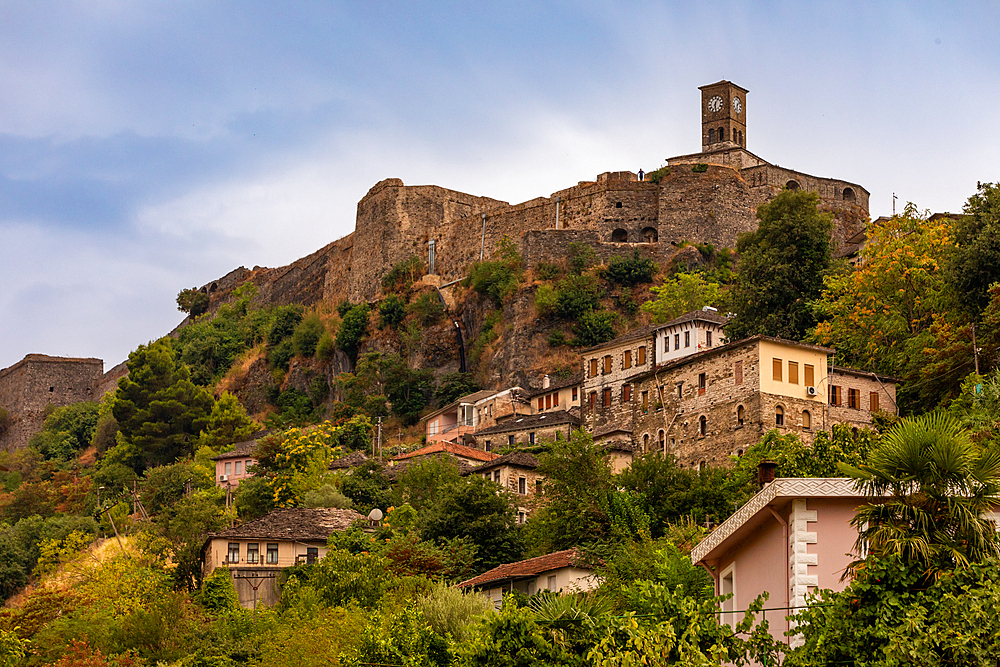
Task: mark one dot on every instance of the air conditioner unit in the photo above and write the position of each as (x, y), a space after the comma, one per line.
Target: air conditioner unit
(223, 478)
(811, 391)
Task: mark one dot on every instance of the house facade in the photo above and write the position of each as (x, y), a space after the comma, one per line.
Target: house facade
(233, 467)
(257, 551)
(559, 571)
(528, 430)
(482, 409)
(517, 474)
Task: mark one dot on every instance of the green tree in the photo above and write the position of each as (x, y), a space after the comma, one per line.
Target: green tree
(781, 268)
(497, 279)
(631, 269)
(937, 487)
(368, 487)
(352, 330)
(577, 295)
(594, 327)
(67, 431)
(159, 410)
(227, 424)
(455, 385)
(681, 294)
(974, 264)
(391, 311)
(192, 301)
(307, 334)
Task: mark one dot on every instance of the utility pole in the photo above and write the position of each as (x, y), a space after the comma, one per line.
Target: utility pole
(975, 350)
(379, 439)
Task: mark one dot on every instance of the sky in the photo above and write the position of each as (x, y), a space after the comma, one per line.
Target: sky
(146, 147)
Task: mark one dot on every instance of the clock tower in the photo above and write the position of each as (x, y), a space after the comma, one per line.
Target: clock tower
(723, 116)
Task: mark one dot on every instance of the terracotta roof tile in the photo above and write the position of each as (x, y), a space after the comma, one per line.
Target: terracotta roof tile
(525, 568)
(451, 448)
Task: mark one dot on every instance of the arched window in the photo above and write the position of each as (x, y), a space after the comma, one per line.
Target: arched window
(848, 194)
(722, 134)
(701, 465)
(702, 425)
(806, 420)
(792, 185)
(711, 135)
(740, 414)
(645, 442)
(659, 437)
(779, 416)
(619, 236)
(650, 235)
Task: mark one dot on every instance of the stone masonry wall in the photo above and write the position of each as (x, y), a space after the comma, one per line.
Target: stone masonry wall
(37, 381)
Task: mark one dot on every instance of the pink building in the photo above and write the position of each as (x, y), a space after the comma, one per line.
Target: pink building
(232, 467)
(791, 538)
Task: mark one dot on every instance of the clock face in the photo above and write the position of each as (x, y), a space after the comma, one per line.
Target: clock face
(715, 104)
(737, 105)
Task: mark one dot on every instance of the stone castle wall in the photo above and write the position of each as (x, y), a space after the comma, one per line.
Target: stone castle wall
(28, 387)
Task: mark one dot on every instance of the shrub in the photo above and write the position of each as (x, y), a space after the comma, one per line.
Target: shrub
(594, 328)
(546, 271)
(6, 419)
(391, 311)
(630, 270)
(428, 308)
(557, 338)
(307, 335)
(581, 257)
(700, 168)
(192, 301)
(626, 302)
(344, 307)
(402, 275)
(451, 611)
(497, 279)
(658, 175)
(454, 386)
(576, 295)
(546, 300)
(325, 348)
(327, 496)
(352, 330)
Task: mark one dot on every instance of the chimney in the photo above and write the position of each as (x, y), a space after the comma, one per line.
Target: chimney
(546, 382)
(765, 473)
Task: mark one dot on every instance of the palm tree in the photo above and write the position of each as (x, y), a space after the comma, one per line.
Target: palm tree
(930, 488)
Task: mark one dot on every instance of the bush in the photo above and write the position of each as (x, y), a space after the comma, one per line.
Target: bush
(391, 311)
(497, 279)
(658, 175)
(632, 270)
(581, 257)
(327, 496)
(192, 301)
(307, 335)
(576, 295)
(455, 385)
(428, 308)
(626, 302)
(594, 328)
(352, 330)
(451, 611)
(700, 168)
(344, 307)
(325, 348)
(402, 275)
(557, 338)
(546, 271)
(546, 300)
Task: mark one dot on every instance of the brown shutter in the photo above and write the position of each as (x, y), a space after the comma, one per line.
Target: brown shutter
(809, 376)
(776, 370)
(738, 372)
(873, 397)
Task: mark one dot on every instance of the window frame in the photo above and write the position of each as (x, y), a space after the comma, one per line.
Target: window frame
(271, 554)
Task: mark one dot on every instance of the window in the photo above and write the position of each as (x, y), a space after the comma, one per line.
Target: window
(738, 372)
(677, 341)
(806, 420)
(626, 393)
(228, 468)
(538, 487)
(727, 586)
(666, 343)
(680, 390)
(873, 401)
(740, 415)
(607, 397)
(531, 438)
(708, 339)
(238, 467)
(702, 425)
(522, 485)
(627, 359)
(432, 428)
(496, 476)
(659, 437)
(576, 395)
(541, 403)
(272, 554)
(234, 553)
(642, 355)
(253, 552)
(593, 367)
(776, 370)
(701, 383)
(520, 518)
(810, 376)
(793, 372)
(550, 583)
(555, 399)
(607, 364)
(591, 399)
(645, 402)
(711, 135)
(722, 134)
(854, 399)
(510, 440)
(687, 339)
(312, 555)
(779, 416)
(489, 446)
(548, 401)
(645, 442)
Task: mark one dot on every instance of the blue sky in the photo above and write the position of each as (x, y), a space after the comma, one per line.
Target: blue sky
(150, 146)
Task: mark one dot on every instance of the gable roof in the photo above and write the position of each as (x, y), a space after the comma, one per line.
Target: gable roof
(710, 316)
(240, 451)
(551, 418)
(520, 459)
(732, 529)
(558, 383)
(468, 399)
(299, 524)
(450, 448)
(525, 568)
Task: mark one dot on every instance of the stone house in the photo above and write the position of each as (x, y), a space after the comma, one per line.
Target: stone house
(559, 571)
(791, 538)
(233, 467)
(516, 473)
(715, 403)
(528, 430)
(256, 552)
(556, 394)
(459, 419)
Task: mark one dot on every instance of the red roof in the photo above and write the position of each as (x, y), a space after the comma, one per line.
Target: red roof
(525, 568)
(450, 448)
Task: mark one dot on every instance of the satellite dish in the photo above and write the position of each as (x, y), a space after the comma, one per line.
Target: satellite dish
(375, 515)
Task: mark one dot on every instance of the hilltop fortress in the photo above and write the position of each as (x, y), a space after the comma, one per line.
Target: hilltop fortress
(706, 197)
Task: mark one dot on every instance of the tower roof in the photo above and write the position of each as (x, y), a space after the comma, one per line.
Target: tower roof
(723, 82)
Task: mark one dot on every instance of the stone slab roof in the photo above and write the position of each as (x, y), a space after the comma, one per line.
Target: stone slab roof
(350, 461)
(558, 383)
(518, 459)
(551, 418)
(525, 568)
(242, 450)
(450, 448)
(782, 487)
(297, 524)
